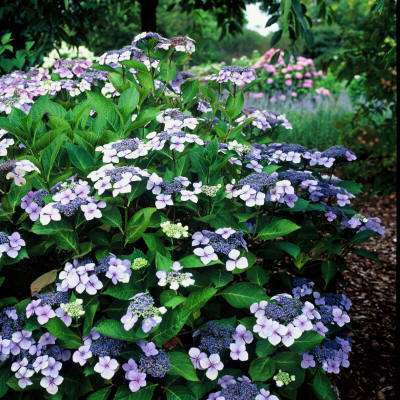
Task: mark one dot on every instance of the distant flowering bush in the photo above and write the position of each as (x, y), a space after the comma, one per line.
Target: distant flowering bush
(179, 251)
(282, 79)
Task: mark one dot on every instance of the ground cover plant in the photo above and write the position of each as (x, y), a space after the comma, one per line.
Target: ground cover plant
(177, 251)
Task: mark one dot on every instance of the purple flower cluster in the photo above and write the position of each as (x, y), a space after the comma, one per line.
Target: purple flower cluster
(11, 244)
(331, 355)
(82, 276)
(214, 340)
(42, 307)
(152, 362)
(224, 241)
(264, 120)
(332, 308)
(283, 319)
(142, 306)
(71, 68)
(277, 153)
(20, 89)
(361, 223)
(179, 80)
(68, 198)
(28, 356)
(238, 75)
(240, 388)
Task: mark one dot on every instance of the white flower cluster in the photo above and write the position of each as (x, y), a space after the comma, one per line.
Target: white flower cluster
(176, 139)
(129, 149)
(175, 277)
(16, 169)
(265, 120)
(175, 120)
(5, 143)
(175, 231)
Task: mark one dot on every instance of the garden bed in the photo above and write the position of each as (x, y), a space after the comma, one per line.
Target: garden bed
(371, 287)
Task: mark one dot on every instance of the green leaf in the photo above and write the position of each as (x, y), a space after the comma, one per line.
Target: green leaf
(258, 275)
(234, 104)
(163, 263)
(219, 278)
(306, 342)
(174, 321)
(168, 298)
(128, 100)
(289, 248)
(80, 158)
(65, 335)
(146, 393)
(329, 270)
(52, 229)
(5, 374)
(123, 291)
(277, 228)
(49, 155)
(322, 387)
(177, 392)
(67, 241)
(287, 361)
(101, 394)
(243, 294)
(262, 369)
(138, 224)
(167, 70)
(264, 348)
(115, 330)
(182, 366)
(90, 312)
(193, 261)
(112, 217)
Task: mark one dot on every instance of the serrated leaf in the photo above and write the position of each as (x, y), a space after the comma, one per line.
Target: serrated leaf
(174, 321)
(65, 335)
(128, 100)
(277, 228)
(182, 366)
(262, 369)
(101, 394)
(115, 330)
(264, 348)
(306, 342)
(112, 217)
(322, 387)
(138, 224)
(243, 294)
(146, 393)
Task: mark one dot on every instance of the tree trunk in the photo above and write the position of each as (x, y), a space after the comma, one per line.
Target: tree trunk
(148, 15)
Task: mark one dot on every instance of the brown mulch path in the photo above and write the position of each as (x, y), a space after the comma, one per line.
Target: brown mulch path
(372, 289)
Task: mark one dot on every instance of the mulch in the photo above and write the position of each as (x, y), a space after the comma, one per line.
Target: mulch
(372, 288)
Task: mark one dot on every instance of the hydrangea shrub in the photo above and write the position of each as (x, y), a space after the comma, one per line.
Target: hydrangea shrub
(186, 254)
(282, 78)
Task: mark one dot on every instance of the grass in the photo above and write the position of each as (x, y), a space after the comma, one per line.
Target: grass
(316, 123)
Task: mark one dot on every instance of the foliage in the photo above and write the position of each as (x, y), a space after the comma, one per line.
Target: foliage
(173, 222)
(19, 59)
